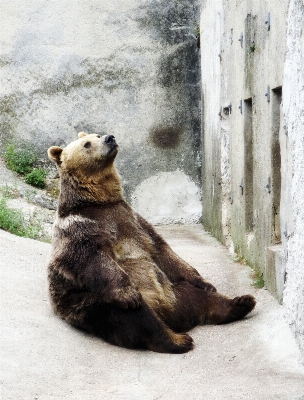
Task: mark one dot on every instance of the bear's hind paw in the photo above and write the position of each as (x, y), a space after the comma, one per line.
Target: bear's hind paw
(176, 343)
(244, 304)
(181, 343)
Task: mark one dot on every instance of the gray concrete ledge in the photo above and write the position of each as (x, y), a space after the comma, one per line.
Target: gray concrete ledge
(43, 358)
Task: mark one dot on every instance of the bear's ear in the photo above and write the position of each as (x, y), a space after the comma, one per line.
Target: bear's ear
(54, 154)
(81, 134)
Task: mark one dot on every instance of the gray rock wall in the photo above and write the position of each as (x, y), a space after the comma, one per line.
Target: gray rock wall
(127, 68)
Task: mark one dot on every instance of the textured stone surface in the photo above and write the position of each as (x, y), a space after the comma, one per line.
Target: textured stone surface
(293, 195)
(128, 68)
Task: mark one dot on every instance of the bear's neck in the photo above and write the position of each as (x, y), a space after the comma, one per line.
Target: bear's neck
(80, 191)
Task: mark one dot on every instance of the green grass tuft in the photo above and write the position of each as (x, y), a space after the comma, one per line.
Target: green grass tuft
(14, 222)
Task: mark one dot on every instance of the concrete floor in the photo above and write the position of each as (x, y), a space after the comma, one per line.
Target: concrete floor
(43, 358)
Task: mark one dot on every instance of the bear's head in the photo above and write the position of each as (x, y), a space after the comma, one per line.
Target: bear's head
(88, 154)
(87, 170)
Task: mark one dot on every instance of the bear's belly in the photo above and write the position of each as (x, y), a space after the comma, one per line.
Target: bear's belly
(135, 249)
(153, 284)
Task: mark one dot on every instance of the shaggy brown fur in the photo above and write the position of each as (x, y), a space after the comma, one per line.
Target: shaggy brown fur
(110, 273)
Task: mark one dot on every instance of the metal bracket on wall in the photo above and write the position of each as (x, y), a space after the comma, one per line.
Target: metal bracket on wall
(230, 198)
(231, 36)
(285, 129)
(267, 22)
(241, 39)
(220, 113)
(242, 186)
(285, 232)
(268, 186)
(267, 94)
(241, 107)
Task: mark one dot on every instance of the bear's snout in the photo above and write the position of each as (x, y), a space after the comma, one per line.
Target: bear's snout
(110, 140)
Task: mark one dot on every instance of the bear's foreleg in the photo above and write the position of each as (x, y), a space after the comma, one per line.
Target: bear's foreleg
(100, 274)
(170, 263)
(177, 270)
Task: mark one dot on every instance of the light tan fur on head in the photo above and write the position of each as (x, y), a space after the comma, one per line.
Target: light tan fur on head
(88, 161)
(84, 153)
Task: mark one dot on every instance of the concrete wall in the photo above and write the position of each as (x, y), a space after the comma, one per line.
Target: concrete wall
(211, 33)
(128, 68)
(253, 165)
(293, 182)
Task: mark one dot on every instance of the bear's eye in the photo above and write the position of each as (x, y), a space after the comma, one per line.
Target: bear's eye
(87, 145)
(98, 136)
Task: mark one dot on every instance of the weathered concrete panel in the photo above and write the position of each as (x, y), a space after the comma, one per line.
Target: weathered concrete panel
(241, 135)
(255, 134)
(210, 29)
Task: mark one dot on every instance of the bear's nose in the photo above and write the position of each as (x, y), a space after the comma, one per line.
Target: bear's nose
(110, 139)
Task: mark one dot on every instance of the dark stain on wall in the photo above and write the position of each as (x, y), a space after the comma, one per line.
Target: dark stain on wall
(167, 137)
(170, 20)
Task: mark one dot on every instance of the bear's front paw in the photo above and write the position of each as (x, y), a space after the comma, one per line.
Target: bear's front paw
(128, 297)
(199, 282)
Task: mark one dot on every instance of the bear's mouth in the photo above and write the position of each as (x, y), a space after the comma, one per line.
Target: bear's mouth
(113, 147)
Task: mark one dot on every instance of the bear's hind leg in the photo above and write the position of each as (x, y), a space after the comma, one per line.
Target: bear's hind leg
(227, 310)
(195, 306)
(135, 328)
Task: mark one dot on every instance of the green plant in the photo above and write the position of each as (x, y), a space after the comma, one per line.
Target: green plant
(20, 160)
(252, 49)
(259, 282)
(14, 222)
(36, 177)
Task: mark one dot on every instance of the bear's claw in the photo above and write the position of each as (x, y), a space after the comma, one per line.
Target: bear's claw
(126, 298)
(202, 284)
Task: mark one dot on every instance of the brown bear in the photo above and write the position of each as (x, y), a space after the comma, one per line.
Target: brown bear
(110, 273)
